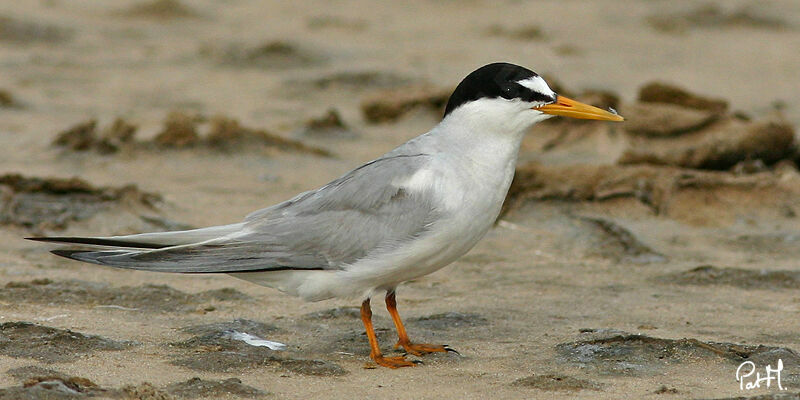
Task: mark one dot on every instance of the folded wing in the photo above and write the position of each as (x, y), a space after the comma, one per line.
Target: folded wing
(365, 212)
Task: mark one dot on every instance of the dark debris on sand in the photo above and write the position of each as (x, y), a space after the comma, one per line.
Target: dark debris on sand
(214, 349)
(227, 133)
(330, 125)
(348, 313)
(148, 297)
(664, 120)
(630, 247)
(8, 100)
(665, 93)
(391, 104)
(47, 344)
(159, 9)
(628, 354)
(671, 126)
(42, 383)
(181, 130)
(665, 110)
(525, 33)
(52, 203)
(664, 389)
(84, 137)
(721, 147)
(23, 31)
(356, 80)
(669, 191)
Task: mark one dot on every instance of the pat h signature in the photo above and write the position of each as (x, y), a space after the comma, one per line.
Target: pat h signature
(749, 378)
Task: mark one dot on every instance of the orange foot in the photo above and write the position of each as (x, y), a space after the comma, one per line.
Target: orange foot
(422, 349)
(393, 362)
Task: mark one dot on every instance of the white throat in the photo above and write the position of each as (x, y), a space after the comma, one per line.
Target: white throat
(489, 131)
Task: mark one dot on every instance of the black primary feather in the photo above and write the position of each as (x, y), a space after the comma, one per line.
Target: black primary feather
(98, 242)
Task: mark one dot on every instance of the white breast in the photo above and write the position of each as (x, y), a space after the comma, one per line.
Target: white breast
(469, 194)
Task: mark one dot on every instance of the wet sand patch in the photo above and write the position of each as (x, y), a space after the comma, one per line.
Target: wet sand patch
(712, 15)
(622, 244)
(215, 348)
(152, 298)
(42, 204)
(354, 81)
(211, 331)
(556, 383)
(196, 387)
(617, 353)
(343, 313)
(449, 320)
(24, 31)
(271, 54)
(354, 341)
(331, 22)
(706, 275)
(51, 345)
(770, 396)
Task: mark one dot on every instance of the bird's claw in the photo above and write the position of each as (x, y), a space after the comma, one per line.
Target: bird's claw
(422, 349)
(394, 362)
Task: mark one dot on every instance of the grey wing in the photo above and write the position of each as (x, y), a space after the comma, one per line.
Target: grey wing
(366, 211)
(369, 209)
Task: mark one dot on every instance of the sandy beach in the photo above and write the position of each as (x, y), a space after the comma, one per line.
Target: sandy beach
(648, 259)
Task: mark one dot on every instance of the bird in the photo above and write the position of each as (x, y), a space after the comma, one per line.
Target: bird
(401, 216)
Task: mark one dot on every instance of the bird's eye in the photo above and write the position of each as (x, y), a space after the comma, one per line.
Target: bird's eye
(510, 91)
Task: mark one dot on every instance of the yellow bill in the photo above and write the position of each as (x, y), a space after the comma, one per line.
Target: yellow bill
(567, 107)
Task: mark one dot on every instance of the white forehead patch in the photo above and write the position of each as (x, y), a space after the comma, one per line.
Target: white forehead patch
(537, 84)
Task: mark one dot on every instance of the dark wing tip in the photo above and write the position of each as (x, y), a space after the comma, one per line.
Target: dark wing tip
(96, 242)
(67, 253)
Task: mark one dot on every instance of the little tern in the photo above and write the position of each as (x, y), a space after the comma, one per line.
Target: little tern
(401, 216)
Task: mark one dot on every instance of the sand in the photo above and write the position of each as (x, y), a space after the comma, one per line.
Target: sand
(601, 280)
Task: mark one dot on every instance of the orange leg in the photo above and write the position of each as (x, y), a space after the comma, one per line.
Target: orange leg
(375, 350)
(404, 342)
